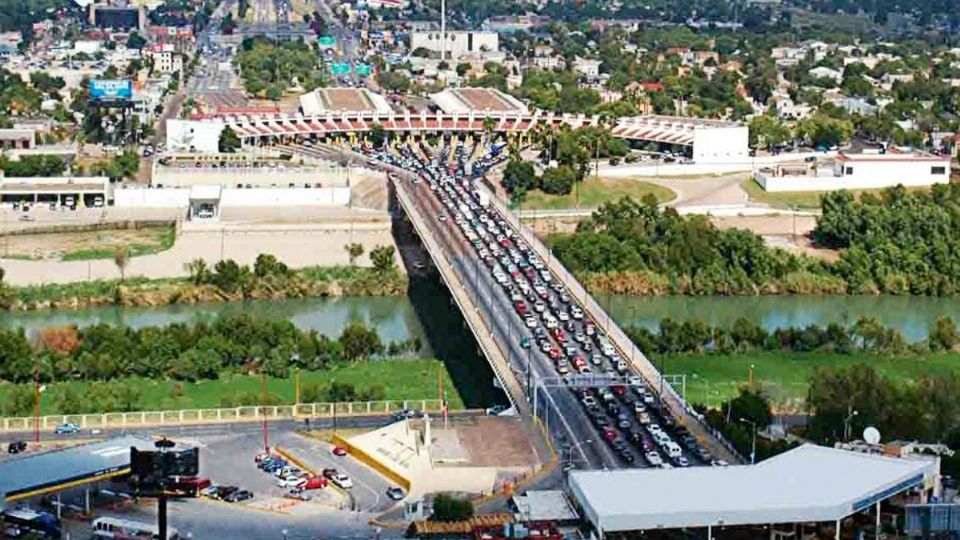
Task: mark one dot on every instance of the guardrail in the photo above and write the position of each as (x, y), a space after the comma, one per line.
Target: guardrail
(219, 415)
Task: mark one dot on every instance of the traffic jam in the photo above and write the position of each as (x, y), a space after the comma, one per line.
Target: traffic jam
(628, 416)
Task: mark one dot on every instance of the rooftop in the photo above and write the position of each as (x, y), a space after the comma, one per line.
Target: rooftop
(42, 473)
(325, 100)
(807, 484)
(467, 100)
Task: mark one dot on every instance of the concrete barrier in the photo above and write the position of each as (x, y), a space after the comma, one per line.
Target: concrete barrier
(362, 456)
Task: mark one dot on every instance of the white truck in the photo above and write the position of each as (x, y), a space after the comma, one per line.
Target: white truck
(483, 198)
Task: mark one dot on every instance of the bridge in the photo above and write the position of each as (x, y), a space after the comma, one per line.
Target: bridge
(711, 141)
(527, 377)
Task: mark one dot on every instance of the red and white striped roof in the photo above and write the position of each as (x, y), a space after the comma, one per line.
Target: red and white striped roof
(676, 130)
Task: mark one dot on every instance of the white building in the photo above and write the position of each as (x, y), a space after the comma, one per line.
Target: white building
(201, 136)
(458, 43)
(861, 171)
(165, 58)
(823, 72)
(587, 67)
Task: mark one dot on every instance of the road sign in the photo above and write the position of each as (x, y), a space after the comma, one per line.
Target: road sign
(327, 41)
(363, 69)
(339, 68)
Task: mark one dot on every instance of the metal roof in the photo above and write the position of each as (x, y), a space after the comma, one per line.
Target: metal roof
(807, 484)
(33, 475)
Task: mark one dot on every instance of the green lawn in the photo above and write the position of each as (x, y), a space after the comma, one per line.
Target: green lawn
(163, 240)
(784, 376)
(594, 192)
(402, 379)
(802, 200)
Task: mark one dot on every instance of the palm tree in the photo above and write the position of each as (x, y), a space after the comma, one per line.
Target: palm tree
(121, 258)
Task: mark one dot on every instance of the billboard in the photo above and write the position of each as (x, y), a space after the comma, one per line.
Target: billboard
(111, 89)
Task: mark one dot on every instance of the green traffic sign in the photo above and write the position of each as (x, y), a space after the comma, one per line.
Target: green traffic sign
(340, 69)
(327, 41)
(363, 69)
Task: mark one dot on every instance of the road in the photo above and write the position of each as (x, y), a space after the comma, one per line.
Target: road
(346, 40)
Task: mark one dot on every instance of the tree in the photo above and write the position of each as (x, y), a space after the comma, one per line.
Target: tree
(268, 265)
(19, 400)
(377, 135)
(448, 508)
(229, 142)
(121, 258)
(3, 274)
(944, 335)
(359, 341)
(199, 271)
(61, 339)
(519, 175)
(382, 259)
(462, 69)
(135, 41)
(558, 180)
(127, 163)
(227, 275)
(354, 251)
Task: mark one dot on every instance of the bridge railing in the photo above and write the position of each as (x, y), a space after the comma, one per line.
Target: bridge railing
(110, 420)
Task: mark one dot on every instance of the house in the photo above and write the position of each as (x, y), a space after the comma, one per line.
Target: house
(587, 67)
(165, 58)
(823, 72)
(867, 170)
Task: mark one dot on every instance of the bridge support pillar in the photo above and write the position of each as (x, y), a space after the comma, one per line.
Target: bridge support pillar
(86, 500)
(58, 506)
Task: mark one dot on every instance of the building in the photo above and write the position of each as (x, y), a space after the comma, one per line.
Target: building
(165, 58)
(823, 72)
(118, 17)
(329, 100)
(201, 136)
(68, 191)
(478, 100)
(10, 42)
(868, 170)
(807, 485)
(458, 43)
(17, 138)
(587, 67)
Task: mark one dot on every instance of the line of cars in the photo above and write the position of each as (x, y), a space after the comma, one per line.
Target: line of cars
(633, 420)
(297, 481)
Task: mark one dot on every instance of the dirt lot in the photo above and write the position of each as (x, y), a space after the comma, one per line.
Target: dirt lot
(481, 99)
(496, 442)
(83, 245)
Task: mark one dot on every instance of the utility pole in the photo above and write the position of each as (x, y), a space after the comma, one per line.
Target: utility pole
(443, 30)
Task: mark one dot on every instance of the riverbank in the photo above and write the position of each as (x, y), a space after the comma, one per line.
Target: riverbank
(395, 380)
(316, 281)
(784, 376)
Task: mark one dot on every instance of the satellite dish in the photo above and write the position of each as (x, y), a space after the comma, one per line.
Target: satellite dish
(871, 435)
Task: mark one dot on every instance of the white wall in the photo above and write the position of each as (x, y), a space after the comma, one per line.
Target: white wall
(231, 197)
(337, 196)
(865, 175)
(458, 43)
(155, 198)
(721, 145)
(193, 135)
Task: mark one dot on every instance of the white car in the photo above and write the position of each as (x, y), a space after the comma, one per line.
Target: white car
(563, 316)
(653, 458)
(531, 321)
(342, 480)
(292, 482)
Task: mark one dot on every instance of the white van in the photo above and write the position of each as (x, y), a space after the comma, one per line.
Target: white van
(673, 450)
(606, 348)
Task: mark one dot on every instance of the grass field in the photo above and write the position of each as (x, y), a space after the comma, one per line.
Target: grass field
(594, 192)
(712, 379)
(88, 245)
(803, 200)
(402, 379)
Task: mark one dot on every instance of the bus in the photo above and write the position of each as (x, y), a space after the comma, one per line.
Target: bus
(23, 523)
(108, 527)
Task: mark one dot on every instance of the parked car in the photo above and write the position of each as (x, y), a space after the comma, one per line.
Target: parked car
(396, 493)
(68, 428)
(16, 447)
(239, 495)
(315, 482)
(339, 451)
(342, 481)
(298, 494)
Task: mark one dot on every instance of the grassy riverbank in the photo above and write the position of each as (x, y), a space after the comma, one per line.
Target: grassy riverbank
(784, 376)
(595, 192)
(303, 283)
(412, 379)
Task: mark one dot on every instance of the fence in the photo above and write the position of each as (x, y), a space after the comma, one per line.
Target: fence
(227, 414)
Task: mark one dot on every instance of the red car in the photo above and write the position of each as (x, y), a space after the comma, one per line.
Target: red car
(521, 308)
(619, 390)
(339, 451)
(554, 353)
(609, 434)
(560, 335)
(315, 482)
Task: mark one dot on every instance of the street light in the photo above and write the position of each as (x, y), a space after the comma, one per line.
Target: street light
(569, 449)
(753, 445)
(851, 412)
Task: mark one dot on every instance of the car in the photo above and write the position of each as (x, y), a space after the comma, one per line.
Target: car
(342, 480)
(68, 428)
(16, 447)
(329, 473)
(395, 493)
(210, 491)
(292, 481)
(653, 458)
(339, 451)
(239, 495)
(496, 410)
(315, 482)
(222, 492)
(297, 494)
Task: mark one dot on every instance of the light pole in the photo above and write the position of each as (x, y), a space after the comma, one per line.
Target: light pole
(851, 412)
(750, 375)
(569, 450)
(753, 445)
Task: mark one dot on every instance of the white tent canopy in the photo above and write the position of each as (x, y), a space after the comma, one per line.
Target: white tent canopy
(807, 484)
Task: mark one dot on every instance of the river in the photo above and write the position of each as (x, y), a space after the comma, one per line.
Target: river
(428, 314)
